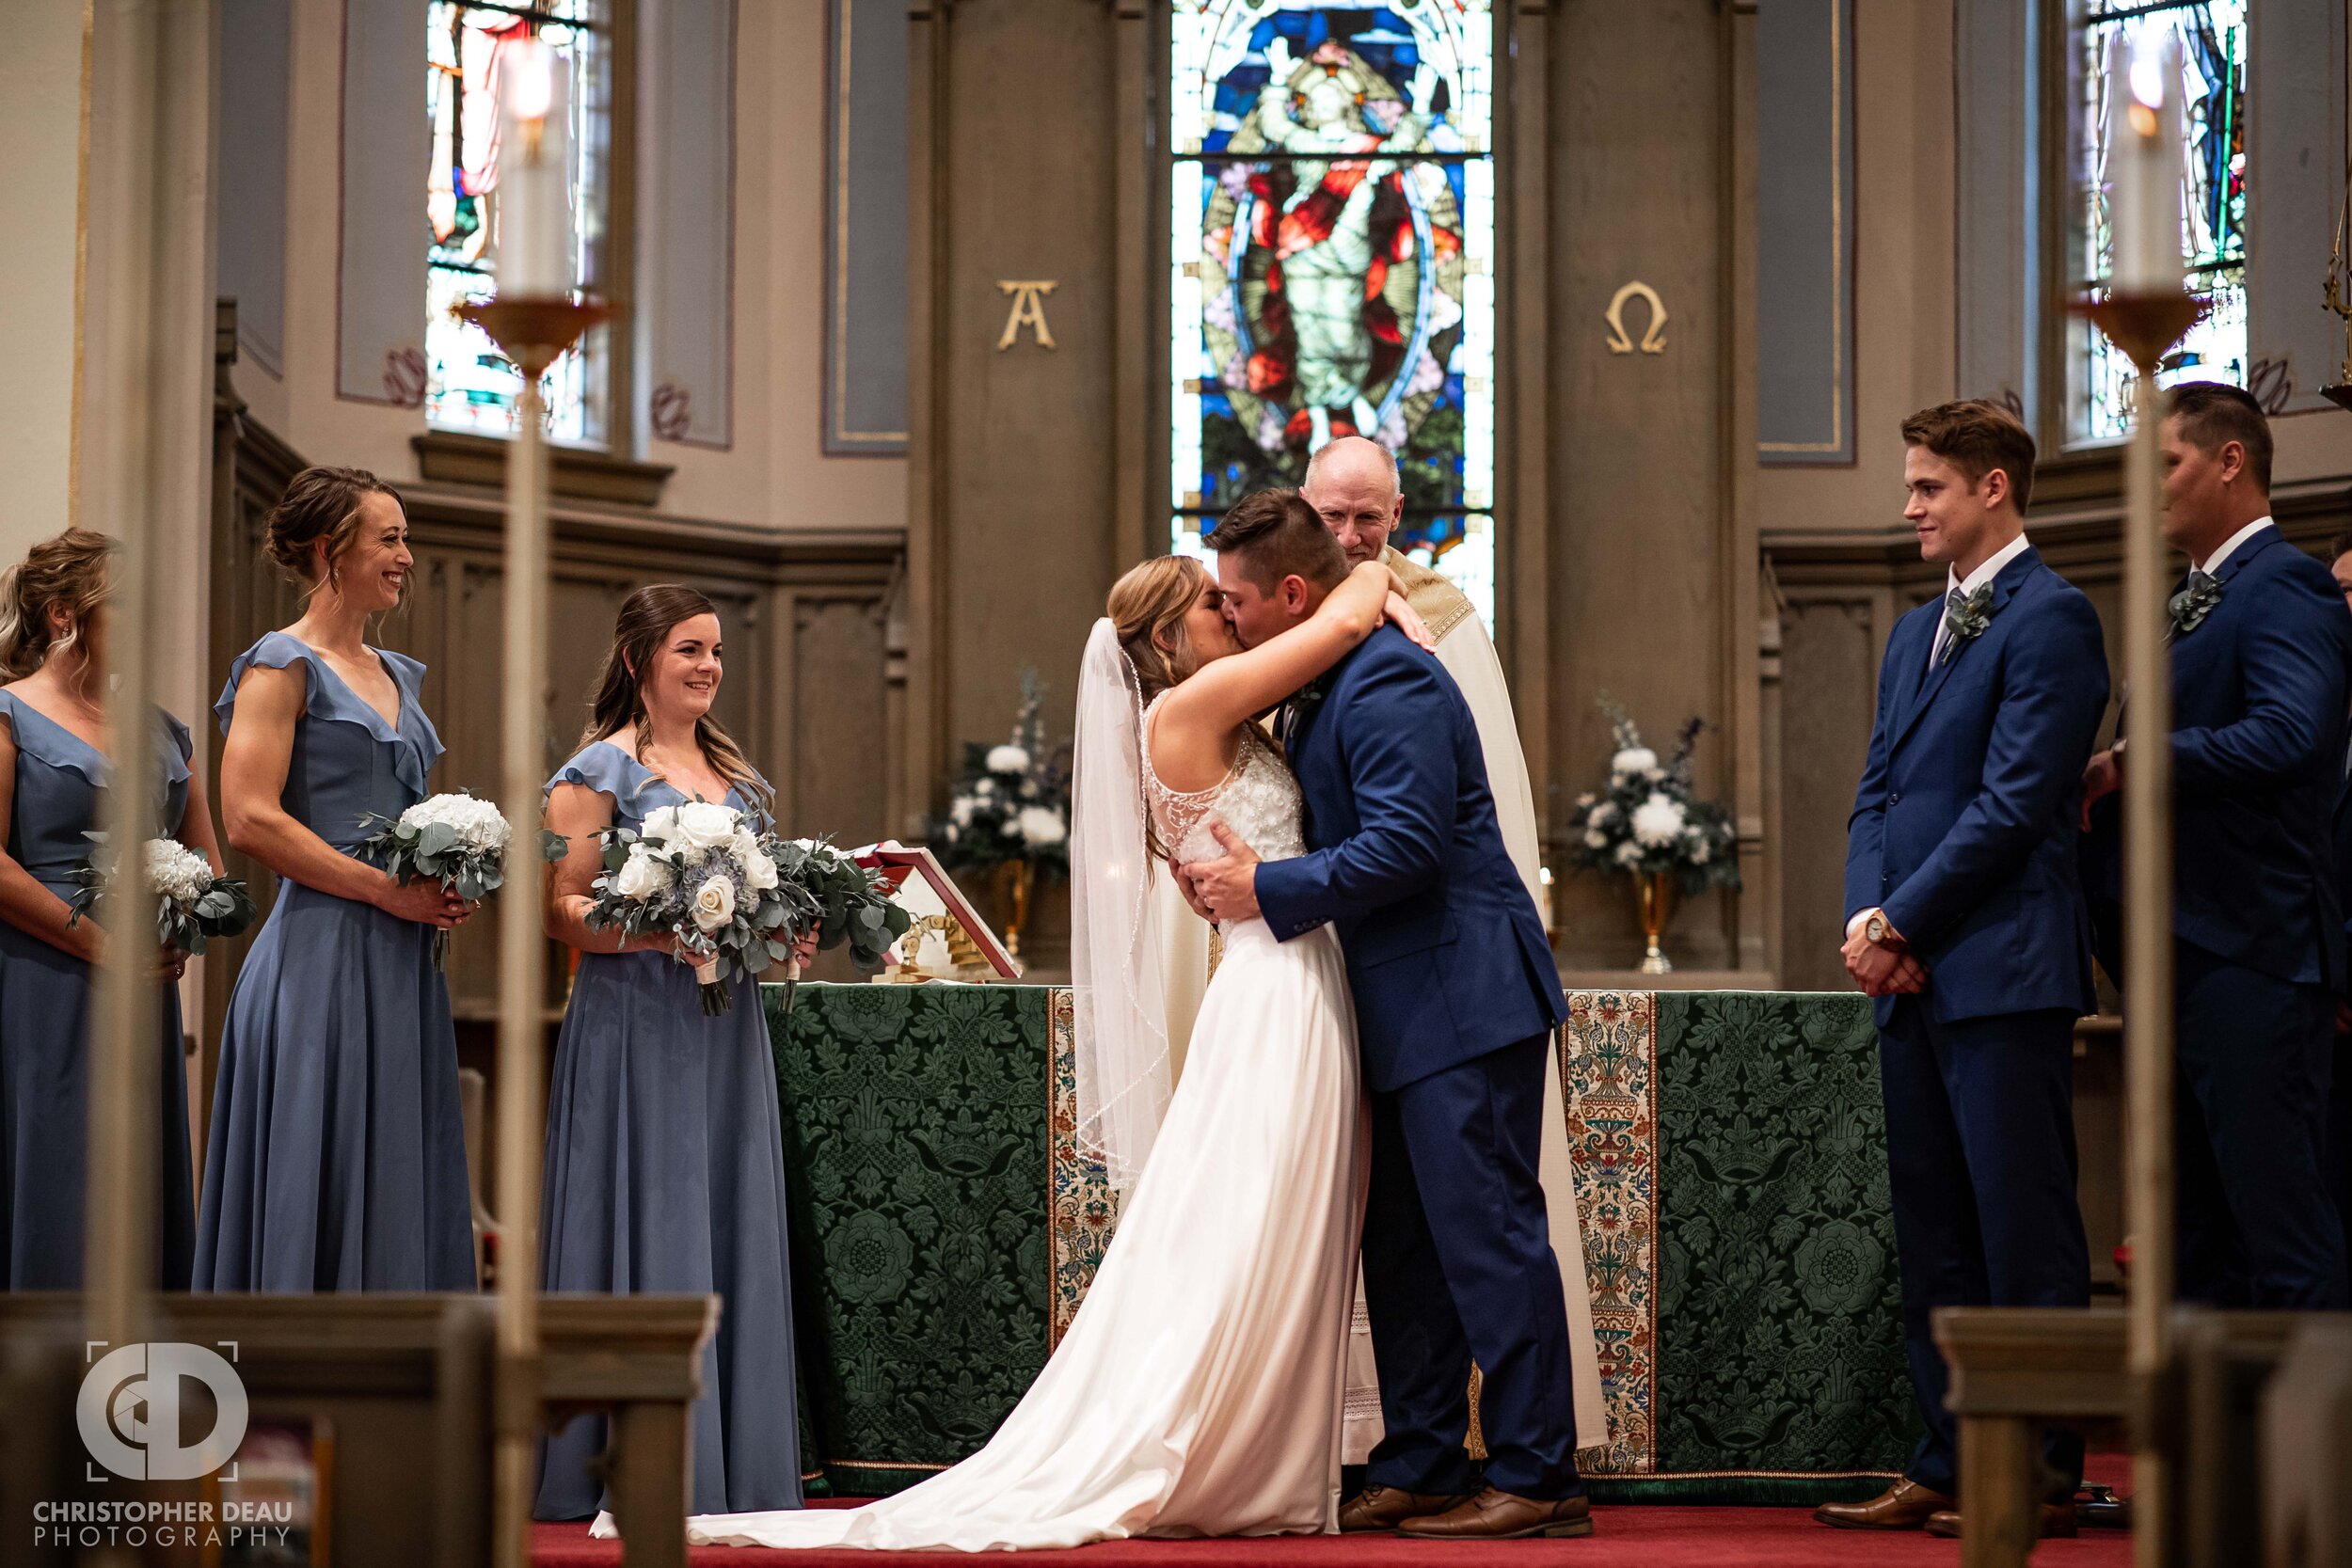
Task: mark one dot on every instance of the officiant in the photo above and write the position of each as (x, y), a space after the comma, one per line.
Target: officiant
(1352, 483)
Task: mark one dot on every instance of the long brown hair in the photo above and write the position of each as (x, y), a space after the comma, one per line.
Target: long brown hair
(646, 618)
(1147, 607)
(322, 506)
(72, 569)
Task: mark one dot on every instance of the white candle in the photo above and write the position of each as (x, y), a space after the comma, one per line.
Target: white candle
(2144, 163)
(534, 218)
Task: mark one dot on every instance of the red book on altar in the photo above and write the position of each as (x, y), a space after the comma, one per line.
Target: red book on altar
(922, 887)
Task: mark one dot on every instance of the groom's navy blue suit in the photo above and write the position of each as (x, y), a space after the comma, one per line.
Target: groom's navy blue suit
(1456, 997)
(1963, 831)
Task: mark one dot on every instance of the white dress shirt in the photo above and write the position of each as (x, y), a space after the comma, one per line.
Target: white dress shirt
(2229, 547)
(1976, 579)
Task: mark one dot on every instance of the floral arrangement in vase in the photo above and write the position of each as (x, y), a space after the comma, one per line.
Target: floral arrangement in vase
(1009, 812)
(1647, 823)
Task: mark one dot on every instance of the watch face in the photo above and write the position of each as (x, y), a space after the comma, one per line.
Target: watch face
(1875, 929)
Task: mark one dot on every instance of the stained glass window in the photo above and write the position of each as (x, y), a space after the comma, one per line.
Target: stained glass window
(470, 385)
(1331, 258)
(2211, 38)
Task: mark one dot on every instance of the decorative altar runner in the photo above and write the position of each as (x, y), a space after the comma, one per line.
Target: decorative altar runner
(1730, 1173)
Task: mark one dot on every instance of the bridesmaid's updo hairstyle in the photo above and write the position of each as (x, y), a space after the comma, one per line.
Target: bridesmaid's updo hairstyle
(1147, 607)
(321, 507)
(70, 570)
(646, 619)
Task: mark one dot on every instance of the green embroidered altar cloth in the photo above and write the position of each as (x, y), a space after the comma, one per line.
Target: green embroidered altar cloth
(1730, 1175)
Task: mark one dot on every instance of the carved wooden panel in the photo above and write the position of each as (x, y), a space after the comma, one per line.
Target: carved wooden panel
(1829, 654)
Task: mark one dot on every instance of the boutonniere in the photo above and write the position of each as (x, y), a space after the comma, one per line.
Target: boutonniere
(1965, 616)
(2192, 604)
(1304, 702)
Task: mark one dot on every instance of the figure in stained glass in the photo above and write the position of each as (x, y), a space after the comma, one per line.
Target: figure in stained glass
(1331, 237)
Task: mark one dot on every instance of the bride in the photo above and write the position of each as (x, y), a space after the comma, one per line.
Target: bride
(1198, 1390)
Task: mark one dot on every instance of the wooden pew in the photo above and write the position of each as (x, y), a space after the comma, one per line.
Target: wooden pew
(403, 1384)
(2015, 1370)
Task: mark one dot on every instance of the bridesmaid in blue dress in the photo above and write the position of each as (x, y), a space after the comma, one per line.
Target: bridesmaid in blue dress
(665, 1155)
(52, 773)
(337, 1159)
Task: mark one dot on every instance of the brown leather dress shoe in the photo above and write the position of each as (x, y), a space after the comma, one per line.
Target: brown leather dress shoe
(1905, 1505)
(1384, 1508)
(1494, 1515)
(2058, 1522)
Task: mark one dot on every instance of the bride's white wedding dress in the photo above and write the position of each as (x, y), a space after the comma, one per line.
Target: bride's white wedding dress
(1198, 1390)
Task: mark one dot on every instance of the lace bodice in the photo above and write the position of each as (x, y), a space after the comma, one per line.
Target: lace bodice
(1259, 800)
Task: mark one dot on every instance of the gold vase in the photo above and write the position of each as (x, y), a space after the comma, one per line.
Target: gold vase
(1655, 894)
(1013, 879)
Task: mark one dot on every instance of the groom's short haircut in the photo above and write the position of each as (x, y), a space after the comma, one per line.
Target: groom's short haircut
(1977, 437)
(1275, 534)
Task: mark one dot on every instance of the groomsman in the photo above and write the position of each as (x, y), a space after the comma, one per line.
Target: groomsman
(2261, 661)
(1965, 920)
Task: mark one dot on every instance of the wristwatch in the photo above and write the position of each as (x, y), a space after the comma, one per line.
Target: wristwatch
(1874, 929)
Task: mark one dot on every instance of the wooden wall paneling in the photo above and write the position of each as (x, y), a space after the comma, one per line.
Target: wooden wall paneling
(1527, 636)
(1829, 642)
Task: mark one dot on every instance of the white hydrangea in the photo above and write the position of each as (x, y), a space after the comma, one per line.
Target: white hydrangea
(1659, 821)
(1633, 760)
(1008, 759)
(476, 821)
(1041, 827)
(1630, 853)
(177, 874)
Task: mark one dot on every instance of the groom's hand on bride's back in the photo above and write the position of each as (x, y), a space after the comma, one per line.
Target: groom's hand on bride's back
(1228, 885)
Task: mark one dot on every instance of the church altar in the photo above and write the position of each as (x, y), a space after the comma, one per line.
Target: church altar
(1730, 1174)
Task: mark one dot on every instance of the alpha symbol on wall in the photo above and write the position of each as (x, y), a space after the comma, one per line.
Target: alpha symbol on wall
(1654, 339)
(1029, 309)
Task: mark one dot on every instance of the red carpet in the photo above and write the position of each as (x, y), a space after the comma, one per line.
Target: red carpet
(1624, 1535)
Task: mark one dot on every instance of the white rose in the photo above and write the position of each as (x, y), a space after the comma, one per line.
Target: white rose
(1634, 759)
(960, 813)
(1012, 827)
(714, 904)
(1008, 759)
(759, 871)
(1041, 827)
(705, 825)
(1659, 821)
(1596, 839)
(660, 824)
(1699, 851)
(1584, 802)
(642, 878)
(1604, 813)
(743, 843)
(1629, 853)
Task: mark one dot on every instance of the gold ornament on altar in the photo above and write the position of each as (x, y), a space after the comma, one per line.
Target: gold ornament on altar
(1653, 895)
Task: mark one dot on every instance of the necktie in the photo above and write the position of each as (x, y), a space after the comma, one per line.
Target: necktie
(1955, 603)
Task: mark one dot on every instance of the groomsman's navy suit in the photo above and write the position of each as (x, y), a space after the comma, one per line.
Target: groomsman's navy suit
(2259, 690)
(1456, 997)
(1964, 830)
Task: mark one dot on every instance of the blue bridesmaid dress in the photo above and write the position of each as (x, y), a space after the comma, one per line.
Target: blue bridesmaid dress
(337, 1160)
(665, 1173)
(44, 1022)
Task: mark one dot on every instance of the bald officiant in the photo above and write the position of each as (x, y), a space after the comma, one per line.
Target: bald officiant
(1352, 483)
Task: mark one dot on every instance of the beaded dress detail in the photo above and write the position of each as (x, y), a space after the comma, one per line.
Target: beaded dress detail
(1259, 800)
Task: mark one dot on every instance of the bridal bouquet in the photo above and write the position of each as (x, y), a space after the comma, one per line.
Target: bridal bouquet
(458, 840)
(852, 903)
(701, 874)
(192, 906)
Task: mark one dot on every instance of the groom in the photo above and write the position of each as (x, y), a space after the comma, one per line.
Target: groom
(1456, 998)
